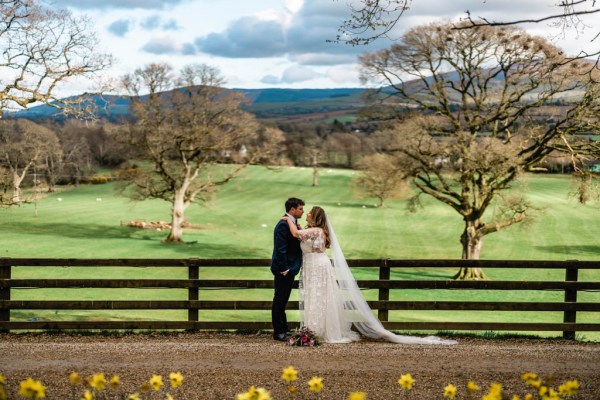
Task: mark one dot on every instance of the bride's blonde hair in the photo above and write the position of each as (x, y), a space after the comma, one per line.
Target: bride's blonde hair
(318, 219)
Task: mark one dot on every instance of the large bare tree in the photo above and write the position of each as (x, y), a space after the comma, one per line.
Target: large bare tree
(482, 87)
(41, 49)
(181, 134)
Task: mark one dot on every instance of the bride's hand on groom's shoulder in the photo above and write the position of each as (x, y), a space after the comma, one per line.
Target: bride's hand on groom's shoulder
(287, 219)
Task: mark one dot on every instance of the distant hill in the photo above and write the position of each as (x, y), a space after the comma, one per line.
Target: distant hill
(264, 103)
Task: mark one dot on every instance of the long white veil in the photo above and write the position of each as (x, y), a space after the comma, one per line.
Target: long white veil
(355, 306)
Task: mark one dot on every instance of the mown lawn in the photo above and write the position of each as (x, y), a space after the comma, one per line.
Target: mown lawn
(86, 222)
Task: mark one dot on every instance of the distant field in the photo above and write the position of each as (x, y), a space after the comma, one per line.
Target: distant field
(86, 222)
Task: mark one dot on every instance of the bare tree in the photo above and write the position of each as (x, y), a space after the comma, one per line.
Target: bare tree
(41, 49)
(23, 146)
(381, 177)
(482, 85)
(182, 134)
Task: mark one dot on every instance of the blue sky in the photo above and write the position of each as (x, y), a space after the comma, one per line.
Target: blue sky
(267, 43)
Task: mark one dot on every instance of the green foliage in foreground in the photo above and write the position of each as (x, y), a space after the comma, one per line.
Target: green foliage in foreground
(86, 222)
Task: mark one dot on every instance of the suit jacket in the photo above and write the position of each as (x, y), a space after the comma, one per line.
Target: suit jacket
(286, 250)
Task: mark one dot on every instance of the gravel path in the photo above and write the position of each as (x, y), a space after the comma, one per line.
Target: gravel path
(219, 365)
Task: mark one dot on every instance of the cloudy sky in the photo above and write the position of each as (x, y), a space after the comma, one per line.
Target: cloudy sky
(269, 43)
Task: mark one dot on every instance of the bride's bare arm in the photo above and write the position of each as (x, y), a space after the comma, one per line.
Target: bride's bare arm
(293, 227)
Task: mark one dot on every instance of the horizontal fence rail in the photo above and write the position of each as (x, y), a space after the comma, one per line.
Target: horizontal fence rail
(194, 284)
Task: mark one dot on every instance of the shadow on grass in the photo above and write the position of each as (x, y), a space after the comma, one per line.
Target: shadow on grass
(571, 249)
(102, 232)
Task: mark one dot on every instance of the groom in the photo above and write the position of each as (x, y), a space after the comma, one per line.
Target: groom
(285, 264)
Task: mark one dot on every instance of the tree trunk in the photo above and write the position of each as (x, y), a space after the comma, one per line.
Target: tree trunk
(471, 240)
(177, 218)
(16, 196)
(315, 163)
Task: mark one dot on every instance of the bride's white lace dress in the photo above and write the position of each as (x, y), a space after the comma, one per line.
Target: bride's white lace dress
(320, 301)
(330, 299)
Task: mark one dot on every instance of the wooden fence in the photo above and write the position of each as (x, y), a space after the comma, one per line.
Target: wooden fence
(569, 307)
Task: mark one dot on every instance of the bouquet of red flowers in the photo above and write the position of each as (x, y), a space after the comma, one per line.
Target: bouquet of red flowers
(303, 337)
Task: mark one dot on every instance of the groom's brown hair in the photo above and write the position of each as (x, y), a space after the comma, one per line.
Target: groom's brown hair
(293, 202)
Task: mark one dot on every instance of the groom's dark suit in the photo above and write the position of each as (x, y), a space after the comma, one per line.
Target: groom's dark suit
(287, 255)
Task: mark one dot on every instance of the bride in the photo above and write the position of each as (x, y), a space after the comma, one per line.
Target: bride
(330, 300)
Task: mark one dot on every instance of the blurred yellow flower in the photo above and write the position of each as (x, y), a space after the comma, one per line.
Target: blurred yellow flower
(87, 395)
(254, 393)
(176, 379)
(98, 381)
(289, 374)
(495, 388)
(528, 396)
(292, 389)
(2, 379)
(169, 397)
(406, 381)
(74, 378)
(156, 382)
(31, 389)
(450, 391)
(568, 388)
(134, 396)
(315, 384)
(515, 397)
(145, 388)
(114, 382)
(472, 387)
(535, 383)
(3, 395)
(357, 396)
(529, 376)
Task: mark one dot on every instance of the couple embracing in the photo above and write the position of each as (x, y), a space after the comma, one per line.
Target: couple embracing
(330, 300)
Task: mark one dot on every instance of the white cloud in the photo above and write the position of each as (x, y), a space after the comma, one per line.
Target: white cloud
(297, 74)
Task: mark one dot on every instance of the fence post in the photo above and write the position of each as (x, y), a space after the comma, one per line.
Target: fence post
(5, 270)
(384, 293)
(570, 297)
(193, 273)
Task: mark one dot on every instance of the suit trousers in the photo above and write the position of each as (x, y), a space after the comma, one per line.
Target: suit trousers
(283, 289)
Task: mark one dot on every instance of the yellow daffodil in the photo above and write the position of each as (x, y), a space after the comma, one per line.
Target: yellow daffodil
(31, 389)
(315, 384)
(529, 376)
(176, 379)
(535, 383)
(254, 393)
(491, 396)
(472, 387)
(98, 381)
(87, 395)
(156, 382)
(528, 396)
(515, 397)
(568, 388)
(134, 396)
(75, 379)
(450, 391)
(114, 382)
(406, 381)
(495, 388)
(357, 396)
(289, 374)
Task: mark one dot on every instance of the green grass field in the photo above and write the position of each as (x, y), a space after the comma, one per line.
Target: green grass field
(85, 222)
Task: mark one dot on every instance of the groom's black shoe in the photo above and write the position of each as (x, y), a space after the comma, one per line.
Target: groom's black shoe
(281, 337)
